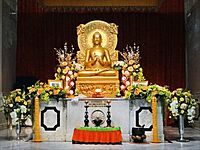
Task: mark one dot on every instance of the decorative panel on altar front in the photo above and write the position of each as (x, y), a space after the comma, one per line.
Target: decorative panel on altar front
(53, 120)
(141, 114)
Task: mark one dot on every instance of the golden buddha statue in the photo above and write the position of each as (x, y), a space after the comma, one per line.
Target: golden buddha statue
(97, 41)
(97, 59)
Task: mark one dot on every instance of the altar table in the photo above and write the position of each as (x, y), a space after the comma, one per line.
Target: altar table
(59, 118)
(97, 135)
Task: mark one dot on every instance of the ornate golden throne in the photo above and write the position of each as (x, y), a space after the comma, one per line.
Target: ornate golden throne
(108, 84)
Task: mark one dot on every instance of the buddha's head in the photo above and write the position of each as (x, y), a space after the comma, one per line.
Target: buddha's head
(97, 39)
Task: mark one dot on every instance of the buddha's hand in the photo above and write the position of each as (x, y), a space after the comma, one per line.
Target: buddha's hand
(97, 57)
(101, 61)
(94, 60)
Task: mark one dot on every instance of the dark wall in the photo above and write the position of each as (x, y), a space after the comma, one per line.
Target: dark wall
(160, 36)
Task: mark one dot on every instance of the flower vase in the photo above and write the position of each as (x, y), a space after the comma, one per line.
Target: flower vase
(181, 129)
(18, 130)
(9, 131)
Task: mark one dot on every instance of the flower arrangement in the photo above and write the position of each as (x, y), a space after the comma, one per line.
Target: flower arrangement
(19, 103)
(44, 92)
(182, 103)
(132, 69)
(130, 66)
(160, 92)
(147, 92)
(17, 106)
(67, 69)
(136, 91)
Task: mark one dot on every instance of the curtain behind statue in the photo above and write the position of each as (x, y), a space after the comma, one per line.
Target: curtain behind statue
(160, 36)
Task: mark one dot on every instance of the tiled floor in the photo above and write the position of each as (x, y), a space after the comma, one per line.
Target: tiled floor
(14, 145)
(171, 134)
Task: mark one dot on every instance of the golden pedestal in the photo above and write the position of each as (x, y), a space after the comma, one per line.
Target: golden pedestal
(88, 85)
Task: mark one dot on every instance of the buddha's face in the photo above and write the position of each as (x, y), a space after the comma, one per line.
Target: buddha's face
(97, 38)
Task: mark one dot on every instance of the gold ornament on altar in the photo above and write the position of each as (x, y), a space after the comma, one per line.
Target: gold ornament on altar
(97, 41)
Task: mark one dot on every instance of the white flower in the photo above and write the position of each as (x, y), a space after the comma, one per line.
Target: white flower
(174, 92)
(71, 92)
(63, 77)
(17, 110)
(13, 115)
(123, 87)
(159, 87)
(123, 78)
(174, 112)
(191, 114)
(122, 63)
(119, 63)
(23, 109)
(70, 72)
(182, 112)
(67, 78)
(191, 111)
(72, 83)
(127, 83)
(174, 104)
(183, 106)
(127, 73)
(11, 105)
(78, 66)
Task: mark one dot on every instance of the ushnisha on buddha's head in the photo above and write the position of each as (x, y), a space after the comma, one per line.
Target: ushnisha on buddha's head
(97, 39)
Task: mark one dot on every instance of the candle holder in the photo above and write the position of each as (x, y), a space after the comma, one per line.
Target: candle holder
(108, 114)
(86, 121)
